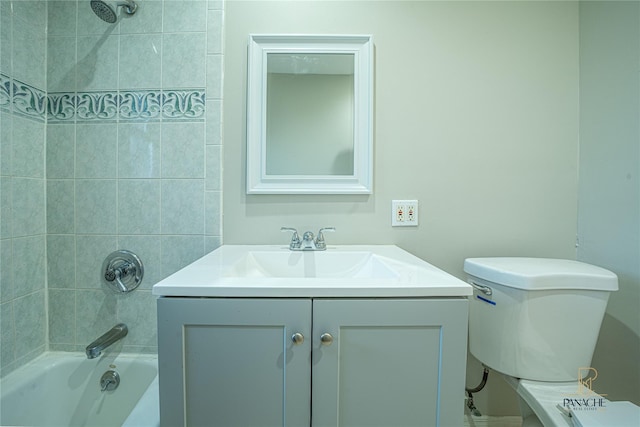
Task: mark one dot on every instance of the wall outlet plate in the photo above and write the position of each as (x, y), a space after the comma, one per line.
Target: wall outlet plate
(404, 213)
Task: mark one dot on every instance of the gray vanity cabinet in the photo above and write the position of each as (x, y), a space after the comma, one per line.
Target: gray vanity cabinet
(356, 362)
(231, 362)
(393, 362)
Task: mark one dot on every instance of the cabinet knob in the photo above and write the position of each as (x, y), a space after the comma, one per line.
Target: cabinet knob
(326, 339)
(297, 338)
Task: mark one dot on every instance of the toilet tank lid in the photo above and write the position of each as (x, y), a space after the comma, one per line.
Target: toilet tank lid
(541, 273)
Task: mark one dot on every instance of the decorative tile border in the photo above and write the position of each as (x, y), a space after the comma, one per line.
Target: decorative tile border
(5, 92)
(29, 101)
(126, 105)
(183, 104)
(140, 105)
(135, 105)
(61, 107)
(96, 106)
(22, 99)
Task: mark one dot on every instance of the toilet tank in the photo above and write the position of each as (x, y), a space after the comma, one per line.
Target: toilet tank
(536, 318)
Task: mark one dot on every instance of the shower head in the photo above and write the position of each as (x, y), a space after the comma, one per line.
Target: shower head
(104, 11)
(108, 14)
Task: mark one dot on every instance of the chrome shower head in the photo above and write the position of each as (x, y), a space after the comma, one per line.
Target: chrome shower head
(108, 14)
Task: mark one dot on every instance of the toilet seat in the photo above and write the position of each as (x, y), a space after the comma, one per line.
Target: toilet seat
(543, 398)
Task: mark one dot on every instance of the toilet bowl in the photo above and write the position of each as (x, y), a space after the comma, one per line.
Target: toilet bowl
(536, 321)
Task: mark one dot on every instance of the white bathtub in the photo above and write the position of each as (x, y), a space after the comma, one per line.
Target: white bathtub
(63, 389)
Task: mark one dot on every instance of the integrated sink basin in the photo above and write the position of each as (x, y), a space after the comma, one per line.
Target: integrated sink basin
(319, 264)
(256, 271)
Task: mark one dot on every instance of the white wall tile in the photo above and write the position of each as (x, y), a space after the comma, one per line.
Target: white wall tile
(213, 213)
(29, 205)
(6, 208)
(140, 59)
(96, 145)
(97, 66)
(61, 261)
(146, 20)
(139, 206)
(61, 64)
(213, 180)
(60, 206)
(183, 150)
(95, 206)
(184, 16)
(214, 79)
(29, 42)
(62, 316)
(139, 150)
(28, 148)
(62, 17)
(28, 265)
(214, 122)
(214, 32)
(61, 140)
(6, 38)
(31, 322)
(183, 206)
(6, 143)
(96, 313)
(183, 60)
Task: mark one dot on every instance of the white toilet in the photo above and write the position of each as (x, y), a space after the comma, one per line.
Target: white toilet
(537, 322)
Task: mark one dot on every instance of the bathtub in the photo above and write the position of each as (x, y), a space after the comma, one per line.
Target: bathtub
(63, 389)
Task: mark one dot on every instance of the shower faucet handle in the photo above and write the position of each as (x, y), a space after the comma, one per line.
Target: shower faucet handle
(122, 271)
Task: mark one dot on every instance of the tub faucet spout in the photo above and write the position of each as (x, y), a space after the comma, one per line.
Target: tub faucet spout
(111, 336)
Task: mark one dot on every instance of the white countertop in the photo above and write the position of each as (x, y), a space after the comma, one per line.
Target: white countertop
(220, 274)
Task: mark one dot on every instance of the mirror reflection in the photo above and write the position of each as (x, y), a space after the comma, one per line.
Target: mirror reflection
(310, 114)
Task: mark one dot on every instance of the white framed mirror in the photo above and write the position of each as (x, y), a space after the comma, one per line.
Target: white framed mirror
(310, 114)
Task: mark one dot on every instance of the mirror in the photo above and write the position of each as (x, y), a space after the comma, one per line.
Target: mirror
(309, 114)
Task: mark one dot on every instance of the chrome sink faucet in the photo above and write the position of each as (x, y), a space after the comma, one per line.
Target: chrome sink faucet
(111, 336)
(308, 242)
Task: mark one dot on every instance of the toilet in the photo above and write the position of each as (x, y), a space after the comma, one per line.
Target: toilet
(536, 321)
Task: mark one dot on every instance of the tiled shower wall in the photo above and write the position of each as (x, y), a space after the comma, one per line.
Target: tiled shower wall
(133, 157)
(22, 181)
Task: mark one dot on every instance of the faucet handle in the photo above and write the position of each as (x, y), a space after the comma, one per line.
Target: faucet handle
(320, 243)
(332, 229)
(295, 239)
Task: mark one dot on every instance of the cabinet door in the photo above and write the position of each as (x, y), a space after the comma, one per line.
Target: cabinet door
(232, 362)
(391, 362)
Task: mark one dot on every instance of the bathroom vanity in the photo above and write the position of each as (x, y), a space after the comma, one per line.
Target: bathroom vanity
(350, 336)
